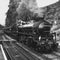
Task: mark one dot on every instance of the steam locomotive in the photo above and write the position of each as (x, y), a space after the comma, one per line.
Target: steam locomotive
(36, 34)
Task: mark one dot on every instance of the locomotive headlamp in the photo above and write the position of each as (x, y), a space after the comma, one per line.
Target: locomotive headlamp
(54, 37)
(55, 22)
(39, 38)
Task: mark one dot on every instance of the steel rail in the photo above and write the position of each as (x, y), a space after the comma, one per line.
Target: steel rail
(18, 47)
(25, 54)
(7, 52)
(10, 50)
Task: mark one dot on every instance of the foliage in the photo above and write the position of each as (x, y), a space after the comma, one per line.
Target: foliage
(11, 15)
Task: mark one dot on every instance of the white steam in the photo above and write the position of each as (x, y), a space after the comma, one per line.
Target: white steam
(36, 6)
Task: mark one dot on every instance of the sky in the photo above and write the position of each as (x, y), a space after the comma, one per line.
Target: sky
(42, 3)
(4, 7)
(3, 10)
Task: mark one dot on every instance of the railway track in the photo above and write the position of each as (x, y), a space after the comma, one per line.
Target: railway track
(13, 53)
(17, 51)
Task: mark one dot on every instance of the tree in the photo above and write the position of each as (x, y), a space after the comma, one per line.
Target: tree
(11, 15)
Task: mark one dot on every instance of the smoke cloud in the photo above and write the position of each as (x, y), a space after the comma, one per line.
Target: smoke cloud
(32, 6)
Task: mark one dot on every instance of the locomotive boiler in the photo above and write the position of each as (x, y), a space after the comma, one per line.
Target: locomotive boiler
(36, 34)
